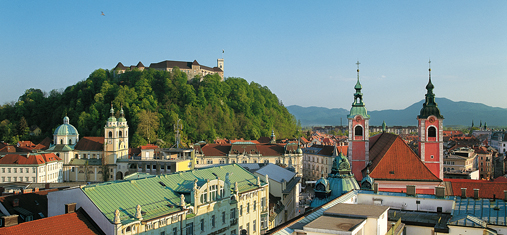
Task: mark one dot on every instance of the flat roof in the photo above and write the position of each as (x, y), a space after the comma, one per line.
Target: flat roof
(352, 210)
(334, 223)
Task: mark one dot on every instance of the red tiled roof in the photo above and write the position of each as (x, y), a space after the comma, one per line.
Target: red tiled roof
(393, 159)
(500, 179)
(90, 144)
(44, 144)
(71, 223)
(264, 140)
(149, 146)
(30, 159)
(216, 149)
(487, 189)
(7, 148)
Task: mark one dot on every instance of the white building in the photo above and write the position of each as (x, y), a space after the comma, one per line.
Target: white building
(34, 168)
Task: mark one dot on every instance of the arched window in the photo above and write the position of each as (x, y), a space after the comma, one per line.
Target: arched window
(70, 141)
(432, 132)
(121, 133)
(110, 134)
(358, 131)
(61, 141)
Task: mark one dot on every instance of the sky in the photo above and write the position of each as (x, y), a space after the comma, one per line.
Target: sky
(305, 52)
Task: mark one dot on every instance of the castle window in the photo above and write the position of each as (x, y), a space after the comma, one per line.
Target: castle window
(110, 134)
(121, 133)
(358, 131)
(432, 132)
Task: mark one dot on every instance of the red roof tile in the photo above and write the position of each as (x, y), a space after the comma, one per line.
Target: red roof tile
(487, 189)
(149, 146)
(90, 144)
(393, 159)
(44, 144)
(71, 223)
(29, 159)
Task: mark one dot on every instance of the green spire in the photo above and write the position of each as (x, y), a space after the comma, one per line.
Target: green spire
(430, 107)
(358, 105)
(384, 126)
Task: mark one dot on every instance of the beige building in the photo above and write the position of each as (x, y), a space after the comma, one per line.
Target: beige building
(218, 200)
(318, 160)
(93, 159)
(290, 155)
(460, 160)
(192, 69)
(284, 187)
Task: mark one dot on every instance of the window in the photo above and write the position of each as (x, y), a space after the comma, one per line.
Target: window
(432, 156)
(204, 196)
(254, 226)
(263, 203)
(358, 131)
(20, 170)
(3, 178)
(3, 170)
(33, 179)
(9, 179)
(233, 161)
(432, 132)
(213, 221)
(202, 225)
(254, 205)
(222, 162)
(110, 134)
(210, 161)
(247, 228)
(197, 162)
(241, 210)
(266, 161)
(8, 170)
(244, 161)
(223, 217)
(248, 208)
(190, 229)
(175, 231)
(213, 192)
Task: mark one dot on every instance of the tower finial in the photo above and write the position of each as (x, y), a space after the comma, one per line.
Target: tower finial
(358, 69)
(429, 68)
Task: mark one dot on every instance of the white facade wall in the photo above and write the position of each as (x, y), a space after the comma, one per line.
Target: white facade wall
(45, 173)
(406, 203)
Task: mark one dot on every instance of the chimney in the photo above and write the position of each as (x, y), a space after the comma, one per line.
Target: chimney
(463, 192)
(440, 191)
(410, 190)
(375, 188)
(15, 202)
(10, 220)
(476, 193)
(70, 208)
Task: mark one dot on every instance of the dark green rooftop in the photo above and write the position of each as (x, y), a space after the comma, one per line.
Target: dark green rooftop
(430, 107)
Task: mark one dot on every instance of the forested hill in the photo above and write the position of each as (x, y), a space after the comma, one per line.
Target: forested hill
(152, 101)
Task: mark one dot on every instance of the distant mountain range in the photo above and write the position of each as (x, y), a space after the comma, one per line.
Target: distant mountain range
(459, 113)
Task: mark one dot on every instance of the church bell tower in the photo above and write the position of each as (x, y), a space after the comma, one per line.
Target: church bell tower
(430, 127)
(359, 135)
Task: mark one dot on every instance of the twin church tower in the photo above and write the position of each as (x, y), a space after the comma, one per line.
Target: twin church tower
(430, 128)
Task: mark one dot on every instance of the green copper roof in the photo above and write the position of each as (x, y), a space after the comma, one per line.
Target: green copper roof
(66, 128)
(358, 105)
(430, 107)
(160, 195)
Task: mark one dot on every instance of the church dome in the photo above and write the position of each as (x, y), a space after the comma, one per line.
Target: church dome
(66, 128)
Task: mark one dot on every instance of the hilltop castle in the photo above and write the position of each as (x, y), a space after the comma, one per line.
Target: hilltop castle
(192, 69)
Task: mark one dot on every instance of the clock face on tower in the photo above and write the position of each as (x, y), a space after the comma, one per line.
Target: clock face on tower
(358, 118)
(432, 119)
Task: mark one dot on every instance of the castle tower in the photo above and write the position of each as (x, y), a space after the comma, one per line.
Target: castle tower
(359, 135)
(430, 125)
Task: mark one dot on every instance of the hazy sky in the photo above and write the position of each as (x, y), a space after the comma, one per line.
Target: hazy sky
(304, 51)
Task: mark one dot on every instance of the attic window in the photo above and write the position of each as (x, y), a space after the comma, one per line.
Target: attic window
(391, 172)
